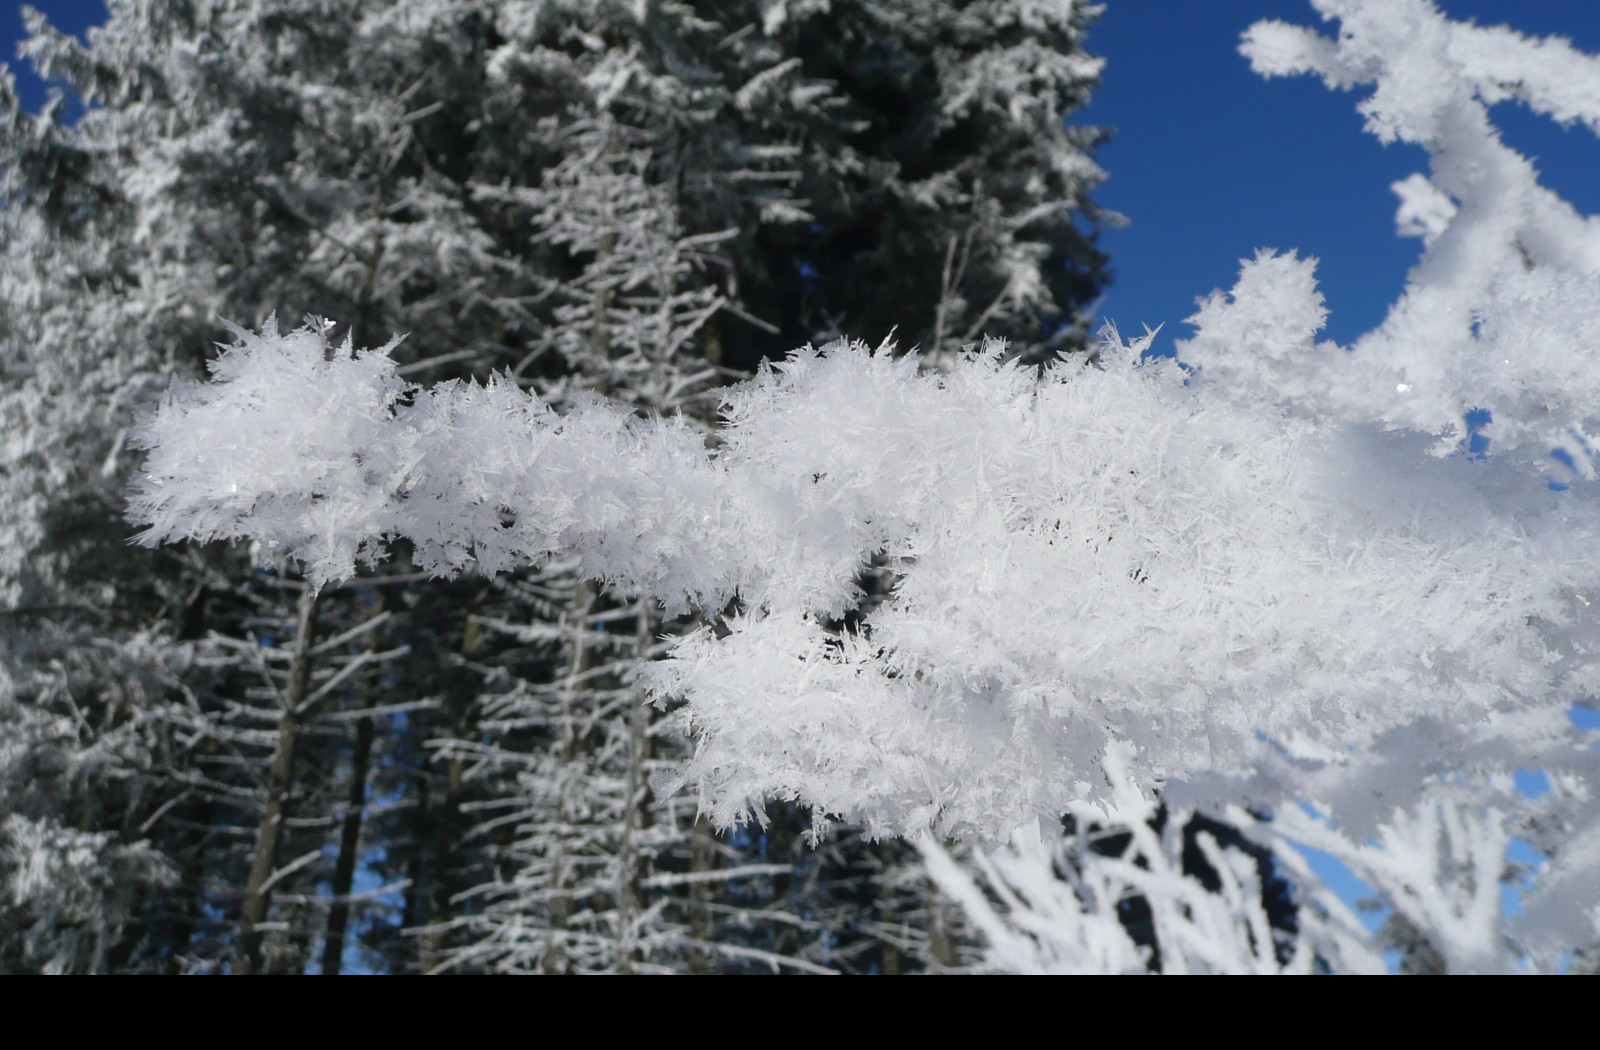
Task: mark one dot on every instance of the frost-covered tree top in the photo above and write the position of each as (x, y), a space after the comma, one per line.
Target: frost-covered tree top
(925, 129)
(1185, 561)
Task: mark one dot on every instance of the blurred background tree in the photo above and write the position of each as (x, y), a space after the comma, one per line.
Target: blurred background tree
(641, 200)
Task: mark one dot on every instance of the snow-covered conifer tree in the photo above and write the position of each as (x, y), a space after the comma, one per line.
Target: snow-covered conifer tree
(409, 166)
(214, 173)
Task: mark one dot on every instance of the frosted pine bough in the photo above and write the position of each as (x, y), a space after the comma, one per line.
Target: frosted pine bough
(1104, 554)
(1256, 575)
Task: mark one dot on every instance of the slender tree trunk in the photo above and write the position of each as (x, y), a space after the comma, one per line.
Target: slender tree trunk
(269, 833)
(570, 782)
(419, 891)
(780, 850)
(600, 332)
(570, 779)
(450, 828)
(636, 813)
(885, 861)
(942, 310)
(600, 304)
(350, 832)
(942, 946)
(702, 858)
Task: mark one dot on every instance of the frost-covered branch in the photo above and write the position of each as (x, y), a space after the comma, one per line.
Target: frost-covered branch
(1106, 554)
(1047, 904)
(1505, 291)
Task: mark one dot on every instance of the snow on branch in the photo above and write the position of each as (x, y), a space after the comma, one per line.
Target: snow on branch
(1048, 904)
(1104, 554)
(1499, 312)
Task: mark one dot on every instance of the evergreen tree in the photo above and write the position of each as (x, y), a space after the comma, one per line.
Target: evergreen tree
(636, 200)
(945, 195)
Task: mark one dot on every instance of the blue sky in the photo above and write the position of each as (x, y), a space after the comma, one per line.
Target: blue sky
(1210, 162)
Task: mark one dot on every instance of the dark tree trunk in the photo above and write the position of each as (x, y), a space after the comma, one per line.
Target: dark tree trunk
(269, 833)
(350, 831)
